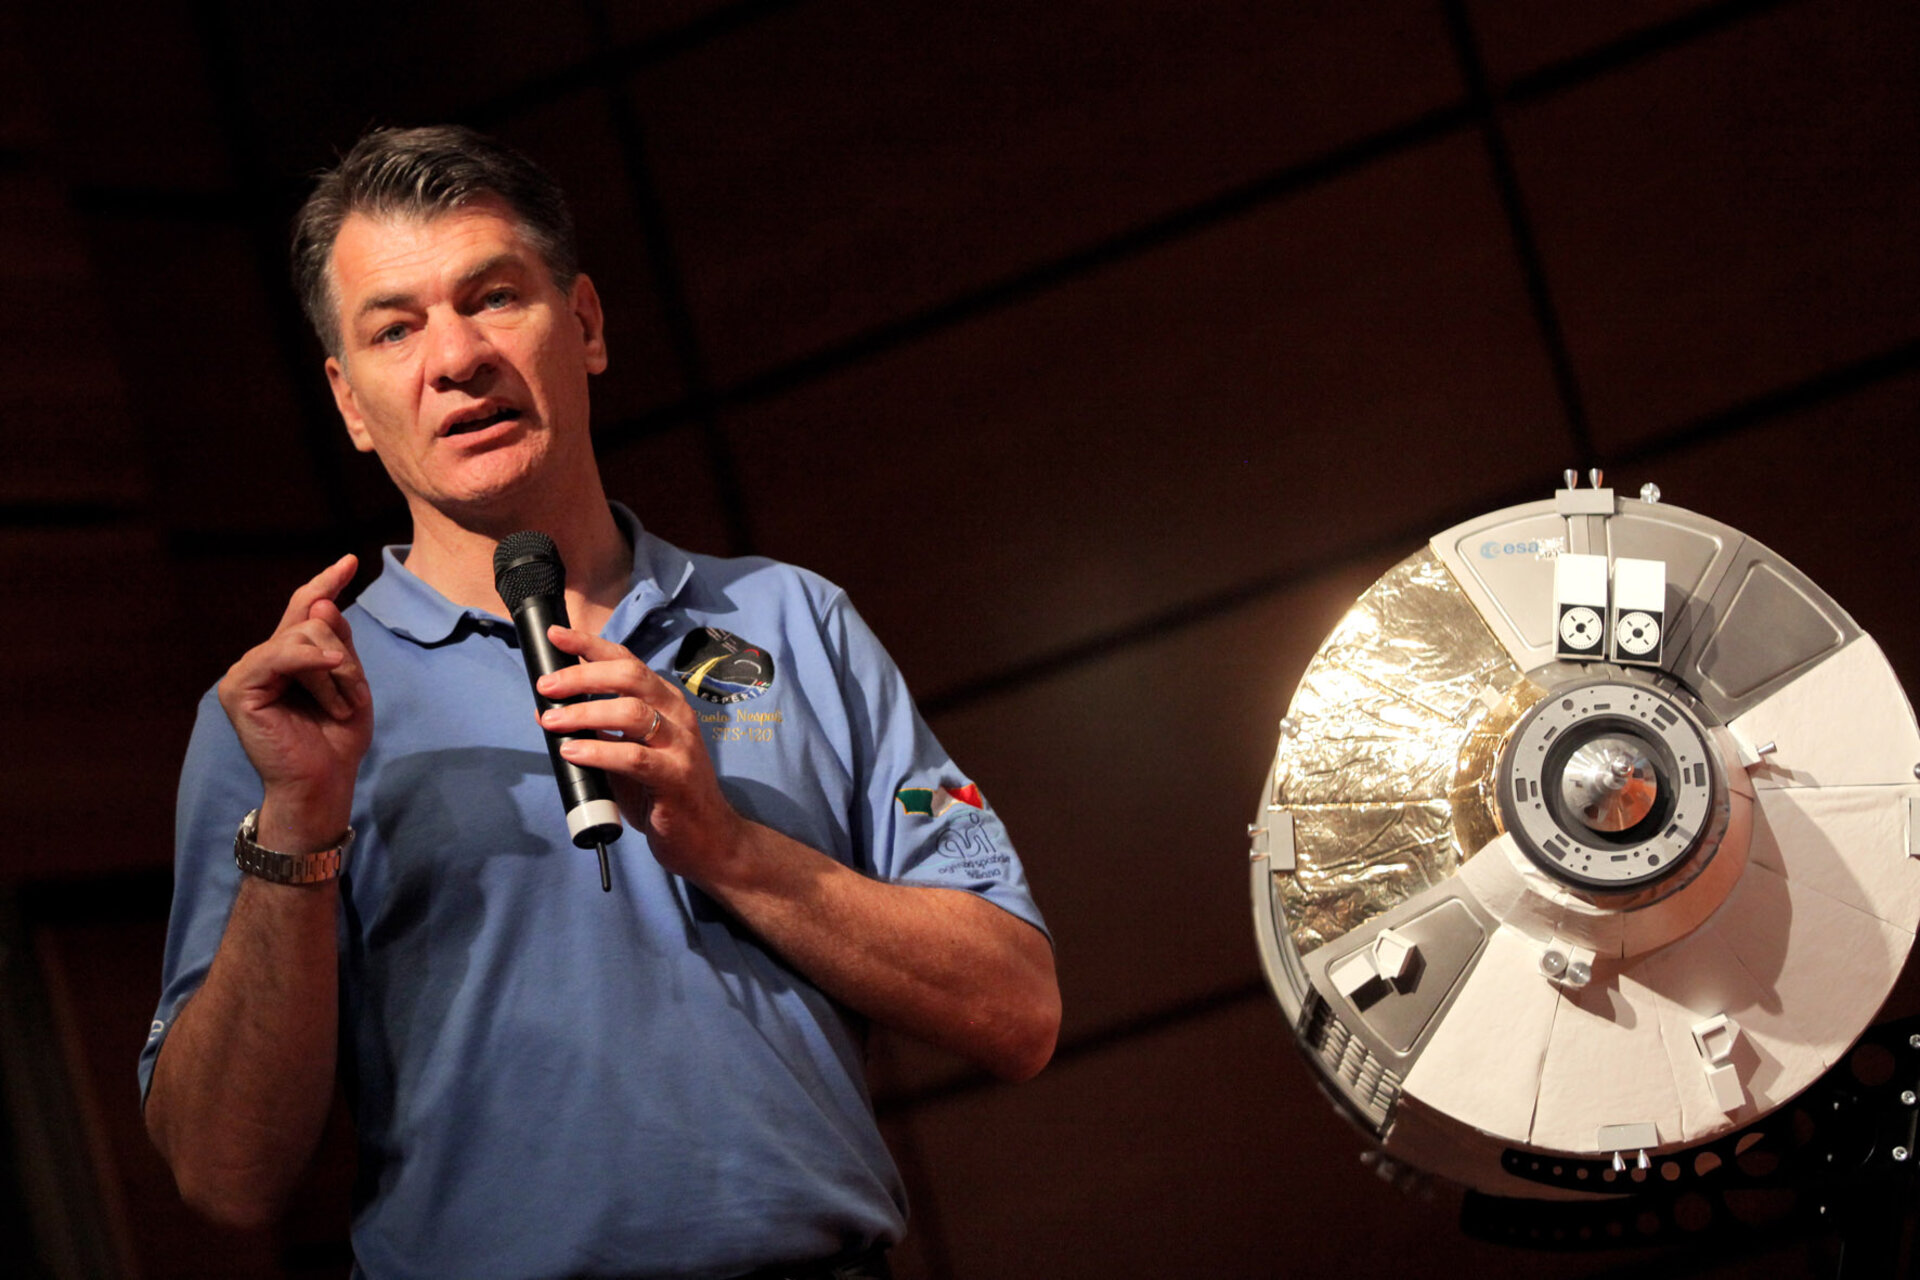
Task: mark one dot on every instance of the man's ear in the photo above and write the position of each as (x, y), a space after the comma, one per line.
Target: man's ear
(343, 399)
(585, 303)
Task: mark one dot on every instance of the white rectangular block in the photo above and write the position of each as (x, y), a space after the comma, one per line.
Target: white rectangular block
(1637, 627)
(1393, 955)
(1579, 606)
(1724, 1082)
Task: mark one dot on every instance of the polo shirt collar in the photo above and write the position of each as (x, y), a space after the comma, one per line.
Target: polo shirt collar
(412, 610)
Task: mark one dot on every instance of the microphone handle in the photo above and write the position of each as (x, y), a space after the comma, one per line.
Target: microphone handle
(592, 817)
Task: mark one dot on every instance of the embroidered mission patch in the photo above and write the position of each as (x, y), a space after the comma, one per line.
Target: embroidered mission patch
(721, 667)
(934, 801)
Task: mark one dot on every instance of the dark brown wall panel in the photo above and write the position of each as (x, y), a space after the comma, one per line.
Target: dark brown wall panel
(1731, 216)
(849, 162)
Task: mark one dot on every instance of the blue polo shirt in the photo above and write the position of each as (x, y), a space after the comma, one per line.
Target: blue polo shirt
(547, 1080)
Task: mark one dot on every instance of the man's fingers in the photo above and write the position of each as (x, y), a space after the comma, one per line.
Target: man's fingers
(605, 668)
(312, 647)
(328, 614)
(634, 719)
(310, 655)
(325, 585)
(628, 758)
(334, 691)
(582, 645)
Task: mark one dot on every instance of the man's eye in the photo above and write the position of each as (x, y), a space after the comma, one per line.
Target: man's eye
(499, 298)
(392, 333)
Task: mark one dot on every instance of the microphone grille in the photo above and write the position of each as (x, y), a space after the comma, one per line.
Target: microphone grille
(527, 564)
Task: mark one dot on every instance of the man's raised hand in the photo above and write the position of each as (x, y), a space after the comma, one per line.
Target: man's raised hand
(304, 714)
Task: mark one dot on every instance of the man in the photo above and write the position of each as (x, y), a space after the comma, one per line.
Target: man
(548, 1081)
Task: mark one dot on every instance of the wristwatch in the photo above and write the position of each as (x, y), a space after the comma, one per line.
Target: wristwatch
(287, 868)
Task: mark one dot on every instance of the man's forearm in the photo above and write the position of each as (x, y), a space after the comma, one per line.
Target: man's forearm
(242, 1087)
(245, 1077)
(942, 965)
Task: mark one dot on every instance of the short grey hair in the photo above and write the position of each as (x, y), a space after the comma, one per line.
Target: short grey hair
(423, 173)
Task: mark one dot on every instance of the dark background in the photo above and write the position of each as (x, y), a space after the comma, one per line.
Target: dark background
(1103, 351)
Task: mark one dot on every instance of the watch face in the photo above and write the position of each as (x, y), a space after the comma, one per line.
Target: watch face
(1580, 628)
(1636, 633)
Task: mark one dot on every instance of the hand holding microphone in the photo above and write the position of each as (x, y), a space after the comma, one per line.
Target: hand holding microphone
(531, 580)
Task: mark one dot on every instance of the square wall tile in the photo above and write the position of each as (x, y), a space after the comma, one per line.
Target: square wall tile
(70, 435)
(1732, 216)
(94, 695)
(128, 89)
(842, 164)
(208, 382)
(667, 477)
(311, 78)
(1516, 36)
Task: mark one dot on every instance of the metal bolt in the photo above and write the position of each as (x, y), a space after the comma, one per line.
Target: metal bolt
(1288, 726)
(1594, 477)
(1572, 478)
(1900, 1153)
(1553, 964)
(1907, 1098)
(1649, 492)
(1579, 974)
(1913, 1042)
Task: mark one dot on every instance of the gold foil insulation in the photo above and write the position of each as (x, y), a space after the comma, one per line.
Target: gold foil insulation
(1387, 765)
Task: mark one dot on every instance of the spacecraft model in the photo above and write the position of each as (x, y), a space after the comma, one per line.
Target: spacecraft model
(1590, 835)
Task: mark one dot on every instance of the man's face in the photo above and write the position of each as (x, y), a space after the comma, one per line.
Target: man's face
(461, 363)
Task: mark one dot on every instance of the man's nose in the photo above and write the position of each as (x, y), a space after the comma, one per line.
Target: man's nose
(458, 350)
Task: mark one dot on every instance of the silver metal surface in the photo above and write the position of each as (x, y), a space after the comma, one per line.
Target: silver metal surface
(1610, 783)
(1380, 722)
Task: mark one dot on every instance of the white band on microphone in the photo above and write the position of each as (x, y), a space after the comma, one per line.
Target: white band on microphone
(593, 813)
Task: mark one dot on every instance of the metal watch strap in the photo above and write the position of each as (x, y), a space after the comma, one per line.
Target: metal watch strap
(287, 868)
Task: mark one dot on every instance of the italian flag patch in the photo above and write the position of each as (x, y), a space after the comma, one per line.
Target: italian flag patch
(934, 801)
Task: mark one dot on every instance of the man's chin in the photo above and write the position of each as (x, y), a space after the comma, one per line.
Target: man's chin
(480, 501)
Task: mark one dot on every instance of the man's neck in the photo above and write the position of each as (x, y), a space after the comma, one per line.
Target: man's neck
(454, 556)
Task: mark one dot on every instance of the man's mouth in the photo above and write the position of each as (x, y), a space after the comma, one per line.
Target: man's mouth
(480, 422)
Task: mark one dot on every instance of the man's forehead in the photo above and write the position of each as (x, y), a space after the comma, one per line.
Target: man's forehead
(376, 246)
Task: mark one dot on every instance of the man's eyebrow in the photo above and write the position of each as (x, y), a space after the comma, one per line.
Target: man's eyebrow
(405, 301)
(383, 302)
(507, 258)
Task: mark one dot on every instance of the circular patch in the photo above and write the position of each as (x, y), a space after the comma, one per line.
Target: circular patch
(1580, 628)
(1637, 633)
(721, 667)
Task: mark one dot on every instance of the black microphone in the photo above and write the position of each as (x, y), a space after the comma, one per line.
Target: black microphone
(532, 582)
